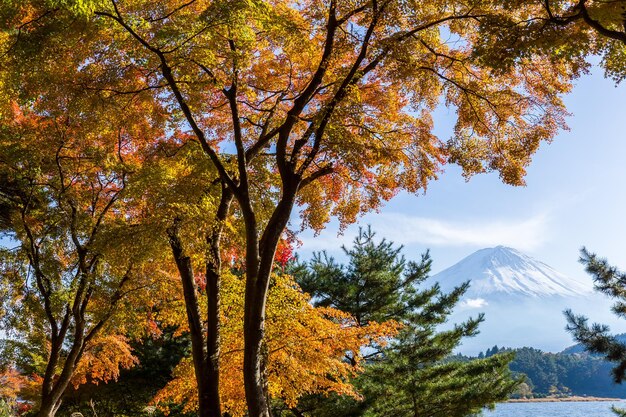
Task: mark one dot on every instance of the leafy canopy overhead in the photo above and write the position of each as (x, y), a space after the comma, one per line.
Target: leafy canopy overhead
(339, 93)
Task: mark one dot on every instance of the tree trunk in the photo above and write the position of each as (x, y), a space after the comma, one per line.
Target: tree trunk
(213, 295)
(253, 361)
(213, 339)
(208, 390)
(258, 272)
(52, 398)
(49, 406)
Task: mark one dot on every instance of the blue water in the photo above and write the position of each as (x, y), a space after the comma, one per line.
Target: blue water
(563, 409)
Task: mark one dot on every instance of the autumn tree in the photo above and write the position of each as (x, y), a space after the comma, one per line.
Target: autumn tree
(321, 105)
(75, 267)
(166, 196)
(414, 374)
(187, 207)
(566, 29)
(305, 349)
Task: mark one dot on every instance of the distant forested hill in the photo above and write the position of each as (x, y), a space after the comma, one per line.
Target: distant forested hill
(572, 371)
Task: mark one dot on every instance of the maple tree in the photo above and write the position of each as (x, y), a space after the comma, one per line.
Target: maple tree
(321, 106)
(563, 29)
(177, 193)
(305, 348)
(77, 268)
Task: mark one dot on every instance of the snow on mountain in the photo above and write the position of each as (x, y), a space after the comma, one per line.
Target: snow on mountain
(523, 300)
(503, 271)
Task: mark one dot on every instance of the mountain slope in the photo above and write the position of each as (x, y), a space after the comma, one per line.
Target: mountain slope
(523, 300)
(503, 271)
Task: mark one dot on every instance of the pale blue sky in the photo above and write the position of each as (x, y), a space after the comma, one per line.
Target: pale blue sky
(574, 196)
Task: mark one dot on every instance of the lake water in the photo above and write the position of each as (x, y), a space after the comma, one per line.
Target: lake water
(561, 409)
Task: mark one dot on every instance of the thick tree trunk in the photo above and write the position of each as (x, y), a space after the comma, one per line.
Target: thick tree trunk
(208, 391)
(213, 294)
(258, 272)
(52, 396)
(253, 360)
(254, 326)
(49, 407)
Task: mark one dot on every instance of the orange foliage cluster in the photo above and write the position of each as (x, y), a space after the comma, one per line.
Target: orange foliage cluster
(305, 348)
(103, 359)
(11, 383)
(14, 386)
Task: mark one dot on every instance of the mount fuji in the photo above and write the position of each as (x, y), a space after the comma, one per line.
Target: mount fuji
(503, 271)
(523, 300)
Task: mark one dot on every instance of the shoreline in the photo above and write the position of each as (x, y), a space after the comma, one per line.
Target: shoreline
(562, 399)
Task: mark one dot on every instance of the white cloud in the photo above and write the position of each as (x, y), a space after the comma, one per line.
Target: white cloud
(526, 234)
(473, 303)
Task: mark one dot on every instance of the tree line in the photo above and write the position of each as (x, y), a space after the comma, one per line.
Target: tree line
(561, 374)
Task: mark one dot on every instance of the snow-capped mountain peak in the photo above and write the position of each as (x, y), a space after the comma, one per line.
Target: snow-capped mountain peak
(507, 271)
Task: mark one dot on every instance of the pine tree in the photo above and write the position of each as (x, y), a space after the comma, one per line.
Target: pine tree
(596, 337)
(492, 351)
(414, 375)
